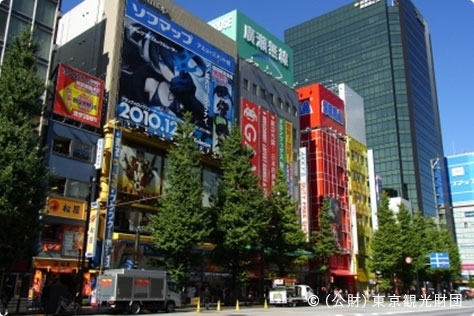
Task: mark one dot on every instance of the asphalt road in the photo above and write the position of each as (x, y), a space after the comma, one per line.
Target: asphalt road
(465, 308)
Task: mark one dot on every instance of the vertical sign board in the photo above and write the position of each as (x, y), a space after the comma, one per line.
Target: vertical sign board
(264, 120)
(251, 132)
(112, 197)
(281, 143)
(93, 228)
(273, 149)
(304, 193)
(289, 154)
(166, 71)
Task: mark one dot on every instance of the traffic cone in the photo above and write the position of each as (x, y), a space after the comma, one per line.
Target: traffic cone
(265, 304)
(198, 308)
(237, 308)
(218, 305)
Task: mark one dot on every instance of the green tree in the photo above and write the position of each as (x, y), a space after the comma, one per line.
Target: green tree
(408, 239)
(181, 221)
(240, 210)
(324, 242)
(386, 247)
(24, 175)
(284, 239)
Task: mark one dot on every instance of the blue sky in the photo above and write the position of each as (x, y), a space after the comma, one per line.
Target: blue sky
(451, 25)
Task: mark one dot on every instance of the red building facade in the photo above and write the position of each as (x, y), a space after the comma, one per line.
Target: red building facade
(322, 123)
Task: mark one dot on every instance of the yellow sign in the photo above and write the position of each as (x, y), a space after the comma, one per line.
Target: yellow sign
(66, 208)
(92, 232)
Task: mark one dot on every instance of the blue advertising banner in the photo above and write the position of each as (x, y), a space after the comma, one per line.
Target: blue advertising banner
(112, 197)
(167, 71)
(461, 177)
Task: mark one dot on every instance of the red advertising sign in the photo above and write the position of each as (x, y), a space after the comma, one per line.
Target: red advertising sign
(78, 96)
(265, 163)
(250, 131)
(273, 148)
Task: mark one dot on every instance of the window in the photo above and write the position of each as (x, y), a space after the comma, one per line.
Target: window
(61, 145)
(75, 149)
(69, 188)
(58, 186)
(246, 84)
(77, 189)
(82, 151)
(254, 88)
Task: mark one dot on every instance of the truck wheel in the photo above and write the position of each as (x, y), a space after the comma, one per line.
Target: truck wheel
(135, 308)
(170, 307)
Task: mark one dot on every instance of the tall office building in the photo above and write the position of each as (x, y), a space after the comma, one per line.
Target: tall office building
(382, 50)
(40, 16)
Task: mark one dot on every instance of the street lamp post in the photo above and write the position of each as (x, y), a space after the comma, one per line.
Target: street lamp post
(409, 262)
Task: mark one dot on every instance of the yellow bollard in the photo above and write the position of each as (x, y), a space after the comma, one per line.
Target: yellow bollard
(237, 308)
(265, 304)
(218, 305)
(198, 308)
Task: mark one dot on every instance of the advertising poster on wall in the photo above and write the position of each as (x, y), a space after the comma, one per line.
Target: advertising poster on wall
(265, 150)
(167, 71)
(304, 198)
(78, 96)
(73, 241)
(251, 131)
(273, 152)
(139, 172)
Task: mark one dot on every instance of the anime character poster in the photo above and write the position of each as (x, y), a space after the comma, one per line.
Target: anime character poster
(139, 172)
(167, 71)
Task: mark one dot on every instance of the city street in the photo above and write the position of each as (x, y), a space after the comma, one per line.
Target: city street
(465, 309)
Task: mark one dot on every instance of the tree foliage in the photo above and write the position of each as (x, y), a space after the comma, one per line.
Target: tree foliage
(405, 236)
(386, 244)
(323, 241)
(240, 209)
(24, 175)
(181, 222)
(283, 238)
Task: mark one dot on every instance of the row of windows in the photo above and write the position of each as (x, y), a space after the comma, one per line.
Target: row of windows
(61, 186)
(268, 96)
(73, 148)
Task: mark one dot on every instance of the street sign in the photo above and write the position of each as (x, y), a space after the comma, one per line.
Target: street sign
(439, 260)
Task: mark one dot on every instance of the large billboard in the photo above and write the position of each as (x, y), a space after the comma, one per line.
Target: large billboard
(266, 134)
(78, 96)
(320, 107)
(257, 45)
(461, 178)
(166, 71)
(139, 172)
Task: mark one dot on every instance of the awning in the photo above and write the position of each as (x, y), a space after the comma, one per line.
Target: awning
(132, 237)
(57, 265)
(338, 272)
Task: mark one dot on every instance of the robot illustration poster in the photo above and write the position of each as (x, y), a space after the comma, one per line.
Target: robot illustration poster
(139, 172)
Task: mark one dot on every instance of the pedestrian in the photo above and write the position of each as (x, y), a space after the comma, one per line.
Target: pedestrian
(52, 294)
(6, 296)
(207, 297)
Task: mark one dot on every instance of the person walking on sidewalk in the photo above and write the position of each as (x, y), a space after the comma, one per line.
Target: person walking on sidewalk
(6, 296)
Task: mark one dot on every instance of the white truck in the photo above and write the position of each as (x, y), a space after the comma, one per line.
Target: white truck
(290, 295)
(130, 291)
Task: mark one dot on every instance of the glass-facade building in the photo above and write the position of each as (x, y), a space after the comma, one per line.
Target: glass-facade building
(383, 51)
(40, 16)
